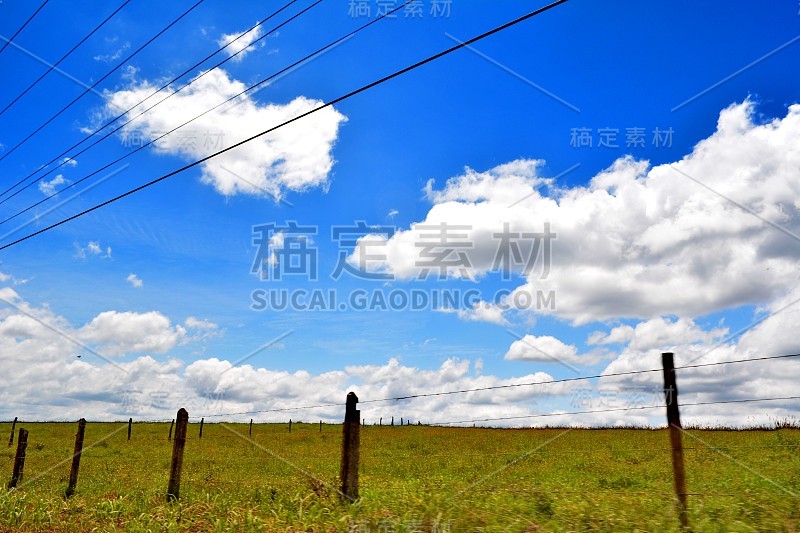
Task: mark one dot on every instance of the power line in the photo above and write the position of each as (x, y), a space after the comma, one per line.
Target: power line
(156, 139)
(54, 65)
(103, 78)
(23, 26)
(303, 115)
(164, 86)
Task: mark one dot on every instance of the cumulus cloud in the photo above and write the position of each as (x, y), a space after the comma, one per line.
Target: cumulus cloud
(296, 157)
(544, 348)
(739, 381)
(119, 333)
(34, 354)
(548, 349)
(238, 46)
(134, 281)
(638, 241)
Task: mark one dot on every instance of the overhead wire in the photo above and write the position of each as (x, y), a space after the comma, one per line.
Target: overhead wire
(9, 41)
(128, 110)
(55, 65)
(290, 121)
(99, 81)
(204, 113)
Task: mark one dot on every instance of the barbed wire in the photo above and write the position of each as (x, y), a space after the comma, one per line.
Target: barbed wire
(500, 387)
(596, 411)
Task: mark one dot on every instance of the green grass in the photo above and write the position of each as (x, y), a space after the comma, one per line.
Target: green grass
(411, 479)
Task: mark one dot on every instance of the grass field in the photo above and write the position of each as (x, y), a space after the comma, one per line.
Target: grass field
(411, 479)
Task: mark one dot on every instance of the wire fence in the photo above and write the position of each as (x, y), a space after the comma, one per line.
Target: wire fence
(532, 384)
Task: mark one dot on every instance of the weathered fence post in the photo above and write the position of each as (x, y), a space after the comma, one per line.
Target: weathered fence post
(290, 425)
(76, 458)
(174, 489)
(170, 429)
(401, 421)
(251, 427)
(13, 427)
(392, 421)
(130, 423)
(19, 459)
(201, 428)
(350, 443)
(380, 422)
(675, 437)
(320, 426)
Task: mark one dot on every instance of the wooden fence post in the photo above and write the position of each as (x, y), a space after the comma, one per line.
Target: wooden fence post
(19, 459)
(130, 423)
(350, 444)
(392, 421)
(170, 429)
(13, 427)
(380, 422)
(320, 426)
(201, 428)
(290, 425)
(675, 437)
(76, 458)
(174, 489)
(251, 427)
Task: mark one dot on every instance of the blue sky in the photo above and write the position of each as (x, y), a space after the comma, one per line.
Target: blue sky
(615, 65)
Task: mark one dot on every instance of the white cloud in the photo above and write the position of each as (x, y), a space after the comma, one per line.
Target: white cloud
(134, 280)
(119, 333)
(200, 329)
(32, 355)
(639, 242)
(69, 162)
(242, 43)
(393, 213)
(113, 56)
(4, 278)
(92, 248)
(480, 312)
(544, 348)
(617, 335)
(48, 188)
(548, 349)
(296, 157)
